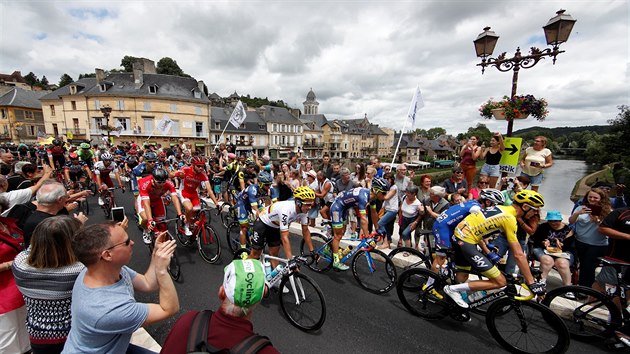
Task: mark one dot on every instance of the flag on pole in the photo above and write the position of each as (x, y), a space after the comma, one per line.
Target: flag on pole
(164, 125)
(416, 104)
(238, 115)
(41, 134)
(119, 128)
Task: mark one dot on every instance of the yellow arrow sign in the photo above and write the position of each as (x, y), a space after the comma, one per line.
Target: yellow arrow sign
(510, 155)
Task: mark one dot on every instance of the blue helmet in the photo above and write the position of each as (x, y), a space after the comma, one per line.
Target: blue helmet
(264, 177)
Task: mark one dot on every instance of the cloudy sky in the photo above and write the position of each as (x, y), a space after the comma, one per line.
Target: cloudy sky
(360, 57)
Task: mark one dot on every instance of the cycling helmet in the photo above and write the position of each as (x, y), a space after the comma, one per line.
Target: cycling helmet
(303, 193)
(84, 146)
(198, 161)
(106, 156)
(132, 161)
(529, 197)
(231, 156)
(250, 162)
(133, 152)
(57, 142)
(493, 195)
(73, 156)
(380, 184)
(159, 175)
(150, 156)
(264, 177)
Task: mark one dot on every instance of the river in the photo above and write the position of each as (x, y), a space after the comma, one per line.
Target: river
(559, 182)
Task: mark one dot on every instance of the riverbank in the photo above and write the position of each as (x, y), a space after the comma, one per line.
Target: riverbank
(582, 186)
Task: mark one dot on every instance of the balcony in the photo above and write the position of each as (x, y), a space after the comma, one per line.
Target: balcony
(75, 131)
(5, 136)
(313, 145)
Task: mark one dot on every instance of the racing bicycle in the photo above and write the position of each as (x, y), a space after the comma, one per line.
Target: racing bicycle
(174, 268)
(206, 238)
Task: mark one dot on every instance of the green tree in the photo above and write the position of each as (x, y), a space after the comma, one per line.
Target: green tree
(169, 66)
(433, 133)
(65, 80)
(480, 131)
(127, 63)
(44, 82)
(421, 132)
(86, 75)
(31, 79)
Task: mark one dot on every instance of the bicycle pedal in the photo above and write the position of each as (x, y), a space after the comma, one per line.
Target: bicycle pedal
(461, 316)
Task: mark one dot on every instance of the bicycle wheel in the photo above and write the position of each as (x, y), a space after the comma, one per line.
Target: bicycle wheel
(304, 305)
(526, 327)
(107, 207)
(409, 257)
(209, 244)
(586, 312)
(174, 268)
(227, 214)
(374, 271)
(233, 237)
(324, 258)
(181, 236)
(429, 302)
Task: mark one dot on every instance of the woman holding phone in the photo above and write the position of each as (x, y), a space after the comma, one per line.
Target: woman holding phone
(536, 159)
(590, 243)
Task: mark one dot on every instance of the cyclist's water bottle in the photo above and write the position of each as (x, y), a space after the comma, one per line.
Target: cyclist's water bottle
(268, 270)
(346, 251)
(465, 296)
(474, 296)
(275, 272)
(422, 246)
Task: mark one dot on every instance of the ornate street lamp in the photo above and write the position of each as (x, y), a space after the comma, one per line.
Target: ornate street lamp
(107, 110)
(557, 31)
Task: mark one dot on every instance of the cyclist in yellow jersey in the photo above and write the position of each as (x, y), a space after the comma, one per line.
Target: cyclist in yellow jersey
(470, 232)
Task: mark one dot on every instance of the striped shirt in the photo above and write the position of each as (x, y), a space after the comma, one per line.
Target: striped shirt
(48, 294)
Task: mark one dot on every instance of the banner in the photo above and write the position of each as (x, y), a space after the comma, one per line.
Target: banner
(164, 125)
(238, 115)
(416, 104)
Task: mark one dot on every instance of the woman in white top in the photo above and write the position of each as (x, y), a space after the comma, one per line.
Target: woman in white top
(390, 204)
(536, 159)
(411, 210)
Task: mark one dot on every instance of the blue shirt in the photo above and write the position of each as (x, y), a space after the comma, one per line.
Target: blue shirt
(445, 224)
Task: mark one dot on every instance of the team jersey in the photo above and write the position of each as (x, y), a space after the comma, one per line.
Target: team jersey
(476, 226)
(354, 198)
(281, 215)
(446, 222)
(149, 191)
(86, 156)
(190, 180)
(104, 171)
(239, 175)
(249, 197)
(57, 150)
(141, 171)
(75, 169)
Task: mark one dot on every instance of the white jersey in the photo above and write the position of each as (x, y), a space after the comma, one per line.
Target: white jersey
(281, 215)
(99, 167)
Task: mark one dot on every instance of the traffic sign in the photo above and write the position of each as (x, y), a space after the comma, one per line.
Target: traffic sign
(510, 155)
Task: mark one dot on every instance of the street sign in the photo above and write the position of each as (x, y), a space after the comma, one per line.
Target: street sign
(510, 155)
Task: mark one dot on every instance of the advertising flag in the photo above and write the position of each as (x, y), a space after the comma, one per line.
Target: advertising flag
(164, 125)
(238, 115)
(416, 104)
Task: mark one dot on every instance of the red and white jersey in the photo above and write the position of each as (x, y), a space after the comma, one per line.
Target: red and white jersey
(149, 191)
(101, 169)
(190, 180)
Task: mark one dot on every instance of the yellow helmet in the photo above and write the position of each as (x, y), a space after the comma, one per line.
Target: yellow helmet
(304, 193)
(530, 197)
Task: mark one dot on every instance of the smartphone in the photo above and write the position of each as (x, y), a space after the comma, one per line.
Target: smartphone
(596, 210)
(621, 180)
(118, 214)
(535, 164)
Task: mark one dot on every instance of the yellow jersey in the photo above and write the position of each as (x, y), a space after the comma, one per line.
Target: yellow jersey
(476, 226)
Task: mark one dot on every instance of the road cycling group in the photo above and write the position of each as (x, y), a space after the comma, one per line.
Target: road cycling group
(249, 197)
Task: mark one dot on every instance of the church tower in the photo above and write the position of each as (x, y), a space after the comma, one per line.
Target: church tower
(311, 104)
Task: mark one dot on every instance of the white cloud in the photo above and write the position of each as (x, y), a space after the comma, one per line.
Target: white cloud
(360, 57)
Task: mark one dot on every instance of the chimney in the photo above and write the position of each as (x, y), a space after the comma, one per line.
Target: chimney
(200, 85)
(138, 74)
(100, 75)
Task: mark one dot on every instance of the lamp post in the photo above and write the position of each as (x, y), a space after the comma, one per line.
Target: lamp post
(557, 31)
(107, 110)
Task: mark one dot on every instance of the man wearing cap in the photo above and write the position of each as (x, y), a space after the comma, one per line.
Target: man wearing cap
(243, 288)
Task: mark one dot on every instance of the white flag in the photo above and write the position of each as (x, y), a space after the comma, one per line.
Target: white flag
(238, 115)
(119, 128)
(164, 125)
(416, 104)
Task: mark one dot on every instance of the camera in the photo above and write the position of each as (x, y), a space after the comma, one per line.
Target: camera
(118, 214)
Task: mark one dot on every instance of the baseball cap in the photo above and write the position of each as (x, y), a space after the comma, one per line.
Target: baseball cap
(244, 282)
(553, 215)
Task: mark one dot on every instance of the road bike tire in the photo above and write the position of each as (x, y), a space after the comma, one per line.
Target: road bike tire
(408, 261)
(374, 271)
(310, 313)
(324, 259)
(422, 302)
(233, 237)
(181, 236)
(174, 268)
(589, 314)
(527, 327)
(209, 245)
(107, 207)
(228, 214)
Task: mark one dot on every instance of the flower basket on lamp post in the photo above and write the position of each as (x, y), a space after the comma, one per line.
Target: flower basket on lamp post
(517, 107)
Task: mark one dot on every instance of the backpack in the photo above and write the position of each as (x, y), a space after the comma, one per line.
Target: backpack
(198, 336)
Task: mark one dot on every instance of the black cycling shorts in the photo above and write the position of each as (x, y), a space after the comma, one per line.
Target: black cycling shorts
(264, 234)
(468, 255)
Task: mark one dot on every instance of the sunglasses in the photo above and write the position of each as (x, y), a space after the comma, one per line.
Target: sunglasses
(483, 182)
(459, 173)
(126, 243)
